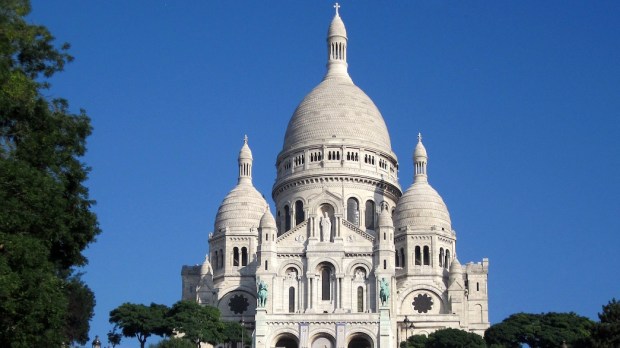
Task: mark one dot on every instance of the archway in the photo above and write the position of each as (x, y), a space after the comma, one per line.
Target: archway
(360, 340)
(286, 341)
(323, 341)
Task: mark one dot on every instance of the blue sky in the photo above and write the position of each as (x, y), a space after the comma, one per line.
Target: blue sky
(518, 103)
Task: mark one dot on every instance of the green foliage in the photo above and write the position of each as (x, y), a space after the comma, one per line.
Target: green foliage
(140, 321)
(114, 338)
(606, 333)
(173, 343)
(541, 330)
(45, 217)
(197, 323)
(454, 338)
(415, 341)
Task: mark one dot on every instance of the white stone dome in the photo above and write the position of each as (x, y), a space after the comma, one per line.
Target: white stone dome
(267, 221)
(422, 207)
(337, 109)
(242, 207)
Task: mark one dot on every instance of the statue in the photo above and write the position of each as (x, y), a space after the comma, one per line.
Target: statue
(384, 293)
(326, 228)
(262, 294)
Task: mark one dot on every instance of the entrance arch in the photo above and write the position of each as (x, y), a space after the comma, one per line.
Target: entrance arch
(360, 340)
(286, 341)
(323, 341)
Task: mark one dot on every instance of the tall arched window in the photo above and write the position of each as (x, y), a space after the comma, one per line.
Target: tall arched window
(326, 284)
(441, 257)
(360, 299)
(353, 211)
(418, 256)
(279, 223)
(427, 257)
(235, 256)
(221, 258)
(402, 257)
(291, 300)
(216, 261)
(244, 256)
(299, 212)
(397, 259)
(287, 218)
(446, 263)
(370, 215)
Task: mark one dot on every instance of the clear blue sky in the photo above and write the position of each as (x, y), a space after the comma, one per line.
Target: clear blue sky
(518, 102)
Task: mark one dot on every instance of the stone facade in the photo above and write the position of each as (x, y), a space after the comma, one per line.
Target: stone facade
(348, 259)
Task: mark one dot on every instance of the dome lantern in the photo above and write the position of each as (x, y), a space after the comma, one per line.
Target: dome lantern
(337, 47)
(245, 162)
(420, 159)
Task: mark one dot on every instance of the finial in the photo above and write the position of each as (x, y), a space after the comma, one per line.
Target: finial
(245, 139)
(419, 137)
(336, 6)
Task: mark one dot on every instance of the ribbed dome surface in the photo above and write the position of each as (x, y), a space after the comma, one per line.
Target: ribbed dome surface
(243, 207)
(422, 207)
(336, 28)
(338, 109)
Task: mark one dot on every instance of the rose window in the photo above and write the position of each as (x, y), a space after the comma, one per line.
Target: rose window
(422, 303)
(238, 304)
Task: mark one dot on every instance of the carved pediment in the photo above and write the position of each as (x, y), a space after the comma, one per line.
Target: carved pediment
(296, 236)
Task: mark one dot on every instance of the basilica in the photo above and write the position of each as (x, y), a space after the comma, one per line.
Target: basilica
(346, 259)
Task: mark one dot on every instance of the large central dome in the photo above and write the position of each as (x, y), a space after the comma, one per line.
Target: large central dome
(337, 111)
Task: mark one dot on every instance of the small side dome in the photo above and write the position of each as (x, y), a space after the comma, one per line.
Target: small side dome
(336, 28)
(456, 267)
(420, 151)
(421, 207)
(243, 208)
(245, 153)
(267, 221)
(385, 219)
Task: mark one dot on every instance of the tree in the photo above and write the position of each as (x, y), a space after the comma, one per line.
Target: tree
(197, 323)
(173, 343)
(140, 321)
(231, 332)
(541, 330)
(606, 333)
(45, 217)
(114, 338)
(454, 338)
(415, 341)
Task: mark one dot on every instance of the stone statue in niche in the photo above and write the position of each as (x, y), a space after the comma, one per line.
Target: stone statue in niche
(326, 228)
(360, 275)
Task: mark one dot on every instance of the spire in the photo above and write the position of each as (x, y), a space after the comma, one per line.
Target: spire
(245, 162)
(420, 160)
(337, 47)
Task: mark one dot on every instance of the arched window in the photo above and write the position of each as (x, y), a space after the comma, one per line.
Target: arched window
(353, 211)
(325, 284)
(427, 257)
(235, 256)
(279, 223)
(402, 257)
(221, 258)
(446, 263)
(360, 299)
(441, 256)
(216, 261)
(244, 256)
(418, 256)
(384, 264)
(266, 265)
(299, 212)
(291, 300)
(397, 259)
(287, 218)
(370, 215)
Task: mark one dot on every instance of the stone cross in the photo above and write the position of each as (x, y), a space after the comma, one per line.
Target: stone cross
(336, 6)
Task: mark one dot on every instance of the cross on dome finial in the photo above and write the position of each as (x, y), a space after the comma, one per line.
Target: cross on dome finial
(419, 137)
(245, 139)
(336, 6)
